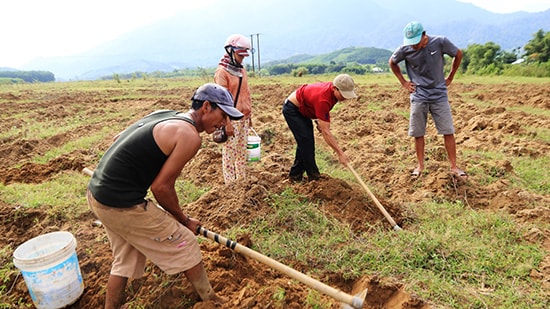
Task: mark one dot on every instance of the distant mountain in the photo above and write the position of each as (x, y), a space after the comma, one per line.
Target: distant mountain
(290, 28)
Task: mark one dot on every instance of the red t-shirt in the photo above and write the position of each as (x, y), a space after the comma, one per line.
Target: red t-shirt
(316, 100)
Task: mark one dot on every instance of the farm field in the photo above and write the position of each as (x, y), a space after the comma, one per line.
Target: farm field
(49, 132)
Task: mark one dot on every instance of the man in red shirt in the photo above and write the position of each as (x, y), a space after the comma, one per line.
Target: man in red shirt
(314, 101)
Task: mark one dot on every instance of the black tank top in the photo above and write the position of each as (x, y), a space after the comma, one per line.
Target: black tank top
(129, 166)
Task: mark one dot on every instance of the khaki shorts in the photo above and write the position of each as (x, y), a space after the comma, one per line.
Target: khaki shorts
(146, 231)
(441, 115)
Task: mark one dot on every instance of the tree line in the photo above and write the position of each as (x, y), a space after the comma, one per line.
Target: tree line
(490, 59)
(28, 76)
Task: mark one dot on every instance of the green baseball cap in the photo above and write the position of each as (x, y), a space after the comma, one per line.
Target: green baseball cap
(413, 33)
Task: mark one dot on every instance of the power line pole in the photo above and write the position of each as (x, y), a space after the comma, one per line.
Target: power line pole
(259, 67)
(252, 51)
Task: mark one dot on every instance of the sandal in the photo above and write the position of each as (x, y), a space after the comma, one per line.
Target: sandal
(459, 173)
(416, 173)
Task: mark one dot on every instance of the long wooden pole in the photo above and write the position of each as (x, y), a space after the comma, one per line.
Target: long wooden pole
(378, 204)
(354, 301)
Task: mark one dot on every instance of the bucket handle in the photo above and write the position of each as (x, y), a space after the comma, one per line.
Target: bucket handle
(251, 128)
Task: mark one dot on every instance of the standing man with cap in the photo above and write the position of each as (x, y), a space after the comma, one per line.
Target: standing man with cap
(314, 101)
(151, 153)
(231, 74)
(424, 63)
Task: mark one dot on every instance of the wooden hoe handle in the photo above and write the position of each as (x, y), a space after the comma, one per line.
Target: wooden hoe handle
(382, 209)
(354, 301)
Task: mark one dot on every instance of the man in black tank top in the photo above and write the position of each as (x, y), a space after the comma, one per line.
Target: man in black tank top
(150, 154)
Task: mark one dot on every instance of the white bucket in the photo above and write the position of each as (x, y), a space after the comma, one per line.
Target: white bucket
(50, 268)
(253, 147)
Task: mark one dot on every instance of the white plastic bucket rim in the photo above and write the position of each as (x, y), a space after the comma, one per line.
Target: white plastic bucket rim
(254, 140)
(44, 248)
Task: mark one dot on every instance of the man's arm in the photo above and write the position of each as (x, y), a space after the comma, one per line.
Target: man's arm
(180, 142)
(408, 85)
(324, 127)
(455, 65)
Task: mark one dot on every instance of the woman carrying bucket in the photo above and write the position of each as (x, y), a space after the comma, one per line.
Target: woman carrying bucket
(231, 74)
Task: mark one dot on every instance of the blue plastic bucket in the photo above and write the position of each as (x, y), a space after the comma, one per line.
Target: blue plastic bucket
(50, 268)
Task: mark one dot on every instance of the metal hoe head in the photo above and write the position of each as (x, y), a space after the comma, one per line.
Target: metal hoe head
(357, 302)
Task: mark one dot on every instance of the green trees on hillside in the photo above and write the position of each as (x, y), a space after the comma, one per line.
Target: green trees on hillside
(29, 76)
(333, 67)
(538, 49)
(483, 59)
(353, 60)
(489, 59)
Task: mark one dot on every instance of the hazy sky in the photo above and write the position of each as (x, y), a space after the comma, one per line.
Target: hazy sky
(46, 28)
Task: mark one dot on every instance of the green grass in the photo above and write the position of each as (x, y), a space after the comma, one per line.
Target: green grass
(529, 110)
(540, 133)
(328, 163)
(529, 173)
(376, 106)
(7, 270)
(81, 143)
(532, 174)
(188, 192)
(64, 194)
(453, 255)
(298, 224)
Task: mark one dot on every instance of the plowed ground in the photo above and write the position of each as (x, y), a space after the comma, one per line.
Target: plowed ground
(487, 117)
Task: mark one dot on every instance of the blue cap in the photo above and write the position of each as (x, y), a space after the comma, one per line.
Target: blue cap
(221, 96)
(413, 33)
